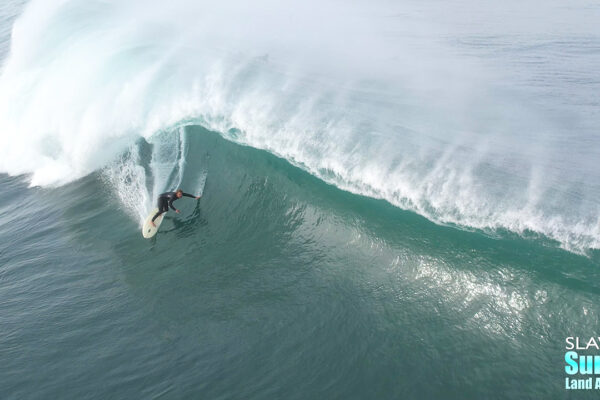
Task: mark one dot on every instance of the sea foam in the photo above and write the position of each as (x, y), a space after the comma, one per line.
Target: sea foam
(376, 98)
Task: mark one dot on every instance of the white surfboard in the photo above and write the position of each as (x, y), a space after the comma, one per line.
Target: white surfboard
(148, 230)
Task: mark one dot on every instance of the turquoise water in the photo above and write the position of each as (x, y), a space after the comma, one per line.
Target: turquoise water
(333, 254)
(276, 285)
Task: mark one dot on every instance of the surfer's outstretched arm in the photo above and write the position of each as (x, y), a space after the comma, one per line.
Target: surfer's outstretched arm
(172, 206)
(191, 195)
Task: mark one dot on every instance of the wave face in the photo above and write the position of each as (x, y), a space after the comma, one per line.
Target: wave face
(274, 285)
(489, 125)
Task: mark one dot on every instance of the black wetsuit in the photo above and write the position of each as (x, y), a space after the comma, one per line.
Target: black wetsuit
(166, 200)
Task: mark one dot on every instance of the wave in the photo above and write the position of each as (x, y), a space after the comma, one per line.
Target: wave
(370, 97)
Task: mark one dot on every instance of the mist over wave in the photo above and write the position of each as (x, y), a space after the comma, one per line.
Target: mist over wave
(489, 125)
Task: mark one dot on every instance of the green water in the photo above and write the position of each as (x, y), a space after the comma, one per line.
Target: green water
(275, 285)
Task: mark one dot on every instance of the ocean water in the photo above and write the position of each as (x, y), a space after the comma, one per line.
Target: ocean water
(399, 200)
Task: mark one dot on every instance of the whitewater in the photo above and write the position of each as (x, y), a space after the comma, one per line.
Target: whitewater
(480, 118)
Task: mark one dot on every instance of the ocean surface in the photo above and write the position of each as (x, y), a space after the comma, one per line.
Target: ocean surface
(400, 200)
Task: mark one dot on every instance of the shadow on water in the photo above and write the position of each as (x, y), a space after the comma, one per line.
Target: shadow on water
(185, 227)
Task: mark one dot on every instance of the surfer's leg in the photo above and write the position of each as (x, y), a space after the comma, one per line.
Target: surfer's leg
(163, 206)
(157, 214)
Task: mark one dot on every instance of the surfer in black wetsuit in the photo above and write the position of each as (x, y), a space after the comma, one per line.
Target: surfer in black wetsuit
(166, 200)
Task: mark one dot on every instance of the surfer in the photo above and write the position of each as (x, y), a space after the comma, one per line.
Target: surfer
(166, 200)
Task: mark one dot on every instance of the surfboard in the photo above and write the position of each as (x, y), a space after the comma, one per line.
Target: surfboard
(148, 230)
